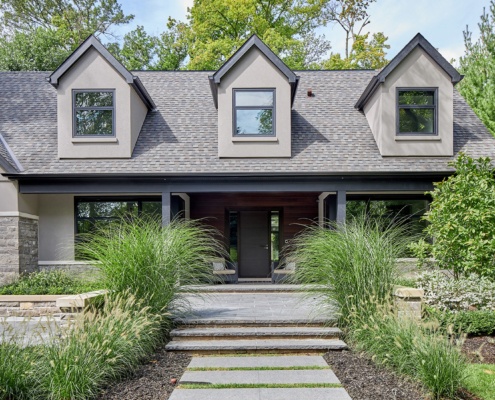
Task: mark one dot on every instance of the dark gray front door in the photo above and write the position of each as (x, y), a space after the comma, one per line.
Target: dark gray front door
(254, 244)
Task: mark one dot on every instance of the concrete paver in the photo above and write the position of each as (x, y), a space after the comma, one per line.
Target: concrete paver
(252, 362)
(261, 394)
(261, 377)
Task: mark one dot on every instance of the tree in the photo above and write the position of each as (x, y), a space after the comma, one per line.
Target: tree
(462, 218)
(219, 27)
(32, 29)
(365, 54)
(478, 67)
(361, 50)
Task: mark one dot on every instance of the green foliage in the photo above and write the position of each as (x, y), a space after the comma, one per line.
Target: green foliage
(404, 346)
(480, 380)
(17, 370)
(355, 262)
(366, 53)
(462, 218)
(475, 322)
(39, 35)
(48, 282)
(100, 346)
(478, 67)
(152, 261)
(219, 27)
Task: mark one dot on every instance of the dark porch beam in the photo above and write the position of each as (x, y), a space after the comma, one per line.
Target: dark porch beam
(392, 183)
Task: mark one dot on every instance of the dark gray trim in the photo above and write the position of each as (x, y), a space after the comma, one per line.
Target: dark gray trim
(416, 41)
(166, 207)
(254, 40)
(12, 166)
(435, 108)
(260, 184)
(235, 108)
(75, 109)
(92, 41)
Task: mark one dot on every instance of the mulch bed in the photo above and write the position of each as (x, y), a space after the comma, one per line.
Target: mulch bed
(480, 349)
(364, 380)
(152, 380)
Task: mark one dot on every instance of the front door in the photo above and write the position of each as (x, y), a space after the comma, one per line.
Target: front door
(254, 244)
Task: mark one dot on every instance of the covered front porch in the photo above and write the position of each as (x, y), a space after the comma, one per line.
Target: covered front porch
(256, 216)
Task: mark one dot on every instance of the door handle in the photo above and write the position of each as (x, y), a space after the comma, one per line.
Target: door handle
(265, 246)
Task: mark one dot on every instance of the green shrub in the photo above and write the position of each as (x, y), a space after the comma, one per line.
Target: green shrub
(18, 372)
(443, 292)
(462, 218)
(355, 262)
(48, 282)
(152, 261)
(101, 346)
(404, 346)
(475, 322)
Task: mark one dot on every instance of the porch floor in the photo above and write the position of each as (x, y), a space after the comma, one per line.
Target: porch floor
(249, 303)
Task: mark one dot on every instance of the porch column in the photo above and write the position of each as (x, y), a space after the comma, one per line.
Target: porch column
(166, 204)
(341, 200)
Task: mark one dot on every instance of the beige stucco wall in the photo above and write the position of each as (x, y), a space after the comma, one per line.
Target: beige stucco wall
(417, 70)
(254, 70)
(11, 201)
(92, 71)
(56, 227)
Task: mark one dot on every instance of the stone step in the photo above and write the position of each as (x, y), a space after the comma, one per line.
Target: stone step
(261, 394)
(247, 288)
(255, 322)
(256, 346)
(207, 333)
(258, 362)
(279, 377)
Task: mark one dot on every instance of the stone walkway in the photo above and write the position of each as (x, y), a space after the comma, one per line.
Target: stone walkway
(259, 378)
(247, 319)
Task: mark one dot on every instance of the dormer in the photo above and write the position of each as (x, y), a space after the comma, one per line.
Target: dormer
(409, 103)
(253, 92)
(101, 106)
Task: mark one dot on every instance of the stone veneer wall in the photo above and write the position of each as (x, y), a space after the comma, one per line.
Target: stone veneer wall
(18, 246)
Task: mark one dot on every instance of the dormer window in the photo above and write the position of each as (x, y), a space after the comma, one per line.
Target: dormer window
(254, 112)
(93, 113)
(417, 111)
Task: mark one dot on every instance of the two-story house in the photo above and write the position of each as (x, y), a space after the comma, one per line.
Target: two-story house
(258, 149)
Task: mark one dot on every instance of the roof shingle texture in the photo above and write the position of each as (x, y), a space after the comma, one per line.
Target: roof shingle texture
(329, 136)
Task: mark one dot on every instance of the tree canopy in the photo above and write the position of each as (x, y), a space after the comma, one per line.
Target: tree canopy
(39, 35)
(478, 67)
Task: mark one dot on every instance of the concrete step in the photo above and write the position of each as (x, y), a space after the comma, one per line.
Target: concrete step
(285, 332)
(247, 288)
(258, 362)
(256, 346)
(280, 377)
(261, 394)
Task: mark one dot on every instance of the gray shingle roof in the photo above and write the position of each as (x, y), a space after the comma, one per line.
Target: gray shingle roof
(329, 136)
(7, 161)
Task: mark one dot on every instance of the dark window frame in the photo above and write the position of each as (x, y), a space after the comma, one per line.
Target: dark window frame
(109, 199)
(76, 109)
(434, 107)
(235, 107)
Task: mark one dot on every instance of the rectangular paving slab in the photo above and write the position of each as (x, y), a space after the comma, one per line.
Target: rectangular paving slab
(260, 377)
(261, 394)
(252, 362)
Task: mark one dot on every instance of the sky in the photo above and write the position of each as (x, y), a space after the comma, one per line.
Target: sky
(441, 22)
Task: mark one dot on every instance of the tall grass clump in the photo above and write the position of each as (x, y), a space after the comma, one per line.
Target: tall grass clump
(17, 370)
(150, 260)
(408, 348)
(354, 262)
(101, 346)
